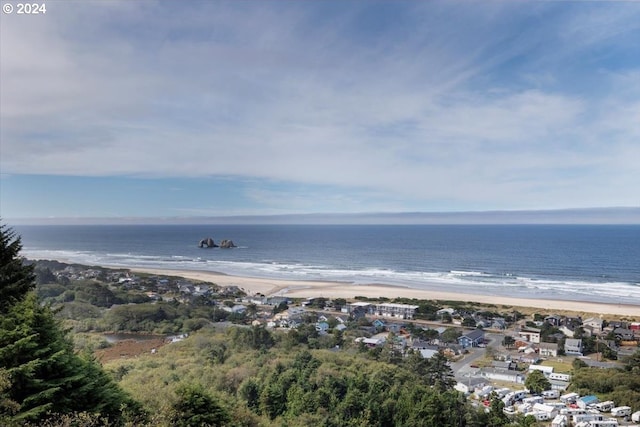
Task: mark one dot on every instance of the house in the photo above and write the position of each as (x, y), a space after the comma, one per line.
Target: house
(379, 324)
(443, 311)
(471, 338)
(594, 323)
(508, 365)
(499, 323)
(237, 309)
(502, 375)
(428, 353)
(371, 342)
(359, 309)
(553, 320)
(530, 334)
(567, 331)
(396, 328)
(548, 349)
(624, 334)
(546, 370)
(275, 301)
(470, 384)
(573, 347)
(340, 327)
(418, 344)
(322, 326)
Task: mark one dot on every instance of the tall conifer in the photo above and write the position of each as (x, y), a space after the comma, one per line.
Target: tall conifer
(45, 375)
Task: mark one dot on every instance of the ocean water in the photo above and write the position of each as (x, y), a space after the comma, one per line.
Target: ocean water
(558, 262)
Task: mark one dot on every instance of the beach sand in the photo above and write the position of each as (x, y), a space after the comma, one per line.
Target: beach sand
(328, 289)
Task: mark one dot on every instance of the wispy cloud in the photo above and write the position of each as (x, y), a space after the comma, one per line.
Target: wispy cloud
(406, 105)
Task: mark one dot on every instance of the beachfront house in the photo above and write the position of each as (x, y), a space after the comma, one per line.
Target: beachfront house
(403, 311)
(553, 320)
(359, 309)
(594, 323)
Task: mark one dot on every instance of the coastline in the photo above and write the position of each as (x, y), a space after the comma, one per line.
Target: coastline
(329, 289)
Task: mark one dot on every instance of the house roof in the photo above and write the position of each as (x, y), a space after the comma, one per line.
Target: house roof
(574, 342)
(548, 345)
(428, 353)
(474, 335)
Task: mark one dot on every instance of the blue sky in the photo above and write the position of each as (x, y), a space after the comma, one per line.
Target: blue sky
(193, 108)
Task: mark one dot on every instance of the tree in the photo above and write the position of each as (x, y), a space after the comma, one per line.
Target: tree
(439, 373)
(37, 357)
(16, 279)
(196, 408)
(508, 341)
(536, 382)
(469, 322)
(451, 335)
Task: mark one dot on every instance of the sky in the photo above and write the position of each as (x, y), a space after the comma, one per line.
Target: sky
(220, 108)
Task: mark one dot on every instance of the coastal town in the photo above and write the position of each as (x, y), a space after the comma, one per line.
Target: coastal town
(492, 351)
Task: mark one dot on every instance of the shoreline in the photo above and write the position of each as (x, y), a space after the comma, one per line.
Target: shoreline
(347, 290)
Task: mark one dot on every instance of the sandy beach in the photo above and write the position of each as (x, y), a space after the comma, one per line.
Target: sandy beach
(328, 289)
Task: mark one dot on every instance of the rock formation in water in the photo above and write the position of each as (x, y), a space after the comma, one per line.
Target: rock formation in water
(227, 244)
(209, 243)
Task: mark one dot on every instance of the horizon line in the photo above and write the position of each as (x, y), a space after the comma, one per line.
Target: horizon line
(593, 215)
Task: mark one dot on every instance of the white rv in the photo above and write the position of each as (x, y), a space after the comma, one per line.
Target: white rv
(569, 398)
(605, 406)
(621, 411)
(551, 394)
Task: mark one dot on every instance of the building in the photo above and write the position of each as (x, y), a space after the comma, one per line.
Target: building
(359, 309)
(573, 347)
(595, 323)
(502, 375)
(530, 334)
(548, 349)
(471, 338)
(403, 311)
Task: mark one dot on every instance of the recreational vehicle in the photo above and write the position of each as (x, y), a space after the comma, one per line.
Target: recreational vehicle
(621, 411)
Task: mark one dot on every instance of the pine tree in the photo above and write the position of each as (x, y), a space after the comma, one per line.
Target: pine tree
(16, 279)
(37, 356)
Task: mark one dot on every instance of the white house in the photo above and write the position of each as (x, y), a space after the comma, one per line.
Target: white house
(548, 349)
(530, 334)
(573, 346)
(595, 323)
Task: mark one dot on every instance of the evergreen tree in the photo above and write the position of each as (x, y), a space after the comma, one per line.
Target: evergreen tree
(537, 382)
(16, 279)
(196, 408)
(37, 356)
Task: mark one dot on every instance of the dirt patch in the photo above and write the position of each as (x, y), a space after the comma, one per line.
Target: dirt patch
(128, 349)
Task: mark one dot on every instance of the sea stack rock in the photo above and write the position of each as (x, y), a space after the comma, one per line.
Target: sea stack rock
(227, 244)
(207, 243)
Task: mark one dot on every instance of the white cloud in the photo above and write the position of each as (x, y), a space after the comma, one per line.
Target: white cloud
(426, 113)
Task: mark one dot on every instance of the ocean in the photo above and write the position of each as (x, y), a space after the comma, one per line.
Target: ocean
(596, 263)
